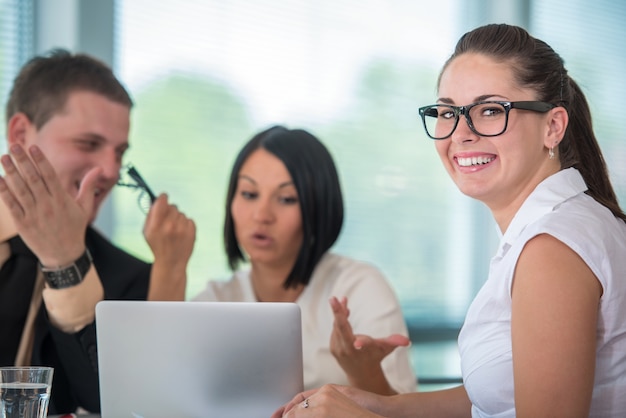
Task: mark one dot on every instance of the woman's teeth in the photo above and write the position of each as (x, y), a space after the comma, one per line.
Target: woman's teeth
(468, 162)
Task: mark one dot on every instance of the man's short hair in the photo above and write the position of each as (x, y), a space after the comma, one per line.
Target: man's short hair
(44, 83)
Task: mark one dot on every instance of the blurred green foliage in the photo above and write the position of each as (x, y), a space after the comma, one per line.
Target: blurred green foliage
(188, 128)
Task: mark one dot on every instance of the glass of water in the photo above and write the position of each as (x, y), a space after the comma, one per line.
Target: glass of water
(25, 391)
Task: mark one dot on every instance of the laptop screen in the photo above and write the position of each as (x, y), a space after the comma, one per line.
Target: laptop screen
(197, 359)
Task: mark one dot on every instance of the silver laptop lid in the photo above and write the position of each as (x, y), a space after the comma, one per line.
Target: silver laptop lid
(197, 359)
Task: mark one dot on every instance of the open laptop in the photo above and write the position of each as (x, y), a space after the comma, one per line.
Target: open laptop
(197, 359)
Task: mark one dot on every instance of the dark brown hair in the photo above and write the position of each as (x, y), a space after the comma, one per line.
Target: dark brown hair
(315, 177)
(537, 66)
(44, 83)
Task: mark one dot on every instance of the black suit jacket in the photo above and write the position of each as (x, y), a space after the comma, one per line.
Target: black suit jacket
(74, 356)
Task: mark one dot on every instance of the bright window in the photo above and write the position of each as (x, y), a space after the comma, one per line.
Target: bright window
(16, 32)
(209, 75)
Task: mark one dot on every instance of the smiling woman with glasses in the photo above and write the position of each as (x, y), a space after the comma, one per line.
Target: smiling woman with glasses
(555, 294)
(488, 118)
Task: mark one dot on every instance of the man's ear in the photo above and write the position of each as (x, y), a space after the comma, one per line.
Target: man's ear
(18, 128)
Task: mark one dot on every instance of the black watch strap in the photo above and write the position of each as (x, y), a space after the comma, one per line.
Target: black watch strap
(62, 277)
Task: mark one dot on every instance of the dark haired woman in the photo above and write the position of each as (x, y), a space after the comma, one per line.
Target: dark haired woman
(284, 211)
(546, 334)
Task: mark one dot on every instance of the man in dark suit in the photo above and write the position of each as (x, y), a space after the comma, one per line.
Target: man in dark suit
(68, 121)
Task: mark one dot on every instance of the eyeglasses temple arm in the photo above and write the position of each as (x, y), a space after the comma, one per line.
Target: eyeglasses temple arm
(141, 182)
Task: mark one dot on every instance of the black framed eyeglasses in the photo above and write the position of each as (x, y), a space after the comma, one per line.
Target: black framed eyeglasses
(131, 178)
(488, 118)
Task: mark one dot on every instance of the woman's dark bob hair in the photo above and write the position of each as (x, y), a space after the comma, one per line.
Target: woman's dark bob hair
(315, 177)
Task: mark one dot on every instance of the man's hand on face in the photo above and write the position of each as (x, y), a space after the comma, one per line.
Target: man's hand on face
(51, 222)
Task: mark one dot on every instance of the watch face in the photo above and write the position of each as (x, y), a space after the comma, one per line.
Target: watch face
(68, 276)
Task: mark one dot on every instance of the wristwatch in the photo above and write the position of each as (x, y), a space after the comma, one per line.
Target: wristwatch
(62, 277)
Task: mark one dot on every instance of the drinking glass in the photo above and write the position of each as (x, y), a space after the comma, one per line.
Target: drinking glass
(25, 391)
